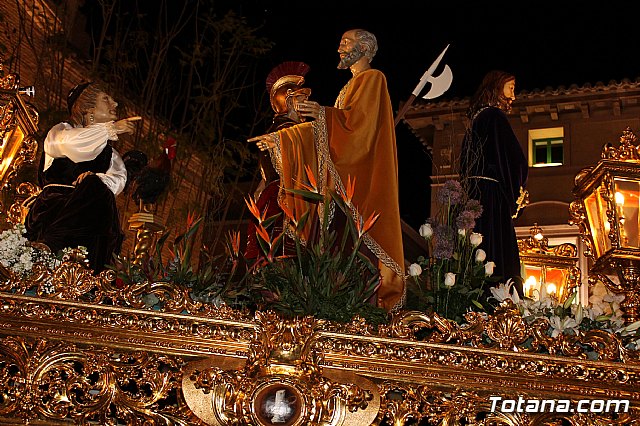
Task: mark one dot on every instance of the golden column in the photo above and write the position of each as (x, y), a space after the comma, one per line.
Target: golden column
(147, 225)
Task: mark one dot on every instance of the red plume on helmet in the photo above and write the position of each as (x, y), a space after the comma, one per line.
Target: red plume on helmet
(282, 82)
(286, 68)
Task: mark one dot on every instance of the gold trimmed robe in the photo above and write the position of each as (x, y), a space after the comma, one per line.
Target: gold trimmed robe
(355, 138)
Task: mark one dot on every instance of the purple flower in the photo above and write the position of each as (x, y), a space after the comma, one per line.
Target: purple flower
(444, 238)
(451, 192)
(466, 220)
(475, 207)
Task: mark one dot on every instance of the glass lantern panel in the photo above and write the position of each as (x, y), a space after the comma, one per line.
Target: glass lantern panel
(556, 278)
(533, 276)
(599, 226)
(627, 207)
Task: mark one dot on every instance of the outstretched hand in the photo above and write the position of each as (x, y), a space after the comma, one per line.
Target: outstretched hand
(264, 142)
(127, 125)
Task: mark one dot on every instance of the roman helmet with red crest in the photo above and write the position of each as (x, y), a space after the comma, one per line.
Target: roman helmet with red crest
(284, 84)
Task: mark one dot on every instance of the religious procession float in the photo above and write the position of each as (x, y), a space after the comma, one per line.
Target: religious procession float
(291, 340)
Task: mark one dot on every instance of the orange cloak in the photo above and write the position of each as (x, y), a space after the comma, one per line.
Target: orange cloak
(355, 138)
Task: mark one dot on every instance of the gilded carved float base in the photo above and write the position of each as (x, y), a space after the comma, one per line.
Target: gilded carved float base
(85, 352)
(49, 382)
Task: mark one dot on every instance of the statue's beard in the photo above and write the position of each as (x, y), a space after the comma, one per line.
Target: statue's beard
(351, 58)
(505, 104)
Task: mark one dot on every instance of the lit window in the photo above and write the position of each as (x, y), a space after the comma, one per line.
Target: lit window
(547, 152)
(546, 147)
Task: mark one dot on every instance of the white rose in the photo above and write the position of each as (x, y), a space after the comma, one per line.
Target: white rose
(426, 230)
(480, 255)
(488, 268)
(449, 279)
(475, 239)
(462, 232)
(415, 270)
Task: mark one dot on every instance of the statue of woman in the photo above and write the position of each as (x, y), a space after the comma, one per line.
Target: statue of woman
(80, 175)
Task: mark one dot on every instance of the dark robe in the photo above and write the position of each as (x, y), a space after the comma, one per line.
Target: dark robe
(86, 215)
(494, 168)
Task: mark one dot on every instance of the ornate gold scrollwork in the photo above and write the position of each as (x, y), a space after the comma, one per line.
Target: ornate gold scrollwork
(25, 192)
(627, 150)
(18, 125)
(506, 329)
(308, 370)
(57, 381)
(578, 217)
(282, 382)
(110, 358)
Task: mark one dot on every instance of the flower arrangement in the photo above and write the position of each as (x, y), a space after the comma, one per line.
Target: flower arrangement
(325, 274)
(569, 318)
(18, 255)
(451, 278)
(206, 283)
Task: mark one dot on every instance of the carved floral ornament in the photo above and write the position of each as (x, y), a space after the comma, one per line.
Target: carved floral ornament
(282, 381)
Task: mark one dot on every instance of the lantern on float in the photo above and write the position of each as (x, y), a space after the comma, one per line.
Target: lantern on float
(606, 210)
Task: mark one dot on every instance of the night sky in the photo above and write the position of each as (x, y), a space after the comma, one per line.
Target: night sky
(544, 44)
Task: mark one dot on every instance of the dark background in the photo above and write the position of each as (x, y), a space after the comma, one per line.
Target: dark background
(545, 44)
